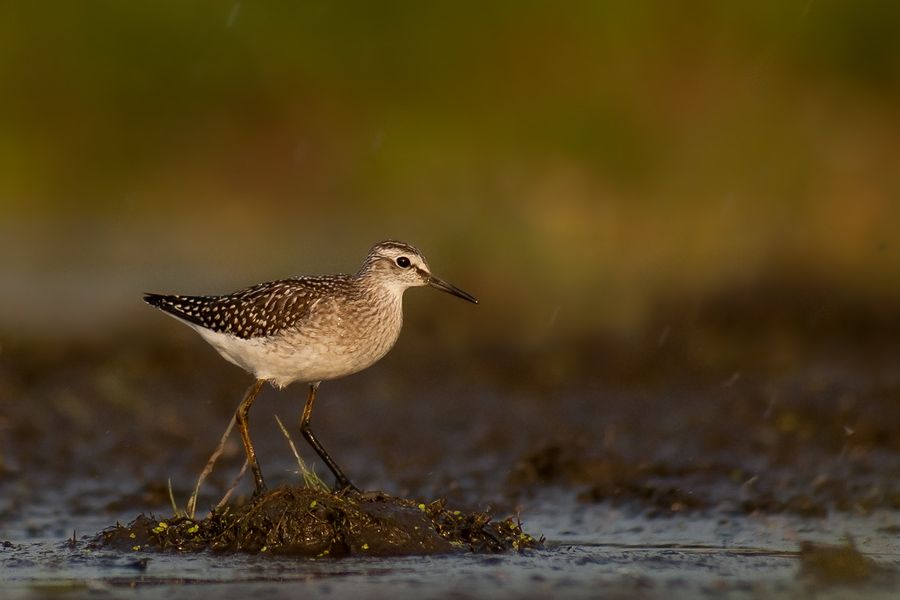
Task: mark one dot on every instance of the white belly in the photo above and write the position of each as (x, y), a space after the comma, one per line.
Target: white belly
(305, 354)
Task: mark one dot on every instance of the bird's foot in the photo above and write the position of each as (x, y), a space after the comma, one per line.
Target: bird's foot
(260, 491)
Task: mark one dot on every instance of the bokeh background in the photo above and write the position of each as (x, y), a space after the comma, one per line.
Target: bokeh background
(680, 218)
(591, 170)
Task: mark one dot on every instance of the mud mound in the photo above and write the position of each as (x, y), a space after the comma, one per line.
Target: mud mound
(316, 523)
(843, 564)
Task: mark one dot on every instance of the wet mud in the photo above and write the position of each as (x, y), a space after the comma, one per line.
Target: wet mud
(316, 523)
(827, 565)
(729, 447)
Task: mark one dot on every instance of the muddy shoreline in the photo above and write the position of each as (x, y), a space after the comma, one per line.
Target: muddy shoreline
(697, 450)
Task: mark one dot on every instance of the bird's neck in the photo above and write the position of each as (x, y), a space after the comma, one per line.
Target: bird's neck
(377, 287)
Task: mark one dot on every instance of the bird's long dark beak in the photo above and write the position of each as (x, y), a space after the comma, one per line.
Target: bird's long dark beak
(451, 289)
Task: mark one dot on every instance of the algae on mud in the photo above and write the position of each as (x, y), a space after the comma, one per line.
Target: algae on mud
(316, 523)
(826, 564)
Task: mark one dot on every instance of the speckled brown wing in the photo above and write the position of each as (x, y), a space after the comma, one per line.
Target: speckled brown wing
(261, 310)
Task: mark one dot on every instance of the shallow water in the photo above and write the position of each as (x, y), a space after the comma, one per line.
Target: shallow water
(659, 490)
(589, 550)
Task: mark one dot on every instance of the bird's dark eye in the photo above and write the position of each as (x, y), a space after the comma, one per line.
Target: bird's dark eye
(402, 261)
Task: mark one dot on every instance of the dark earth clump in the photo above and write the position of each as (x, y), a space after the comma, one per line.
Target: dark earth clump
(609, 476)
(843, 564)
(316, 523)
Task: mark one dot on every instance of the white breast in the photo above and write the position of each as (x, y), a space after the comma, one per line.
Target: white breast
(333, 342)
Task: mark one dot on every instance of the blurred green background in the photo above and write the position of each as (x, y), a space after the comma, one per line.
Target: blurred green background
(575, 165)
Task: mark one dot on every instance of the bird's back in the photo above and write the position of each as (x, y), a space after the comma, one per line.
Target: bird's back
(262, 310)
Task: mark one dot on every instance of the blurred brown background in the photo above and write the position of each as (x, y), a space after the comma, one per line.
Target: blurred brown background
(680, 218)
(576, 166)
